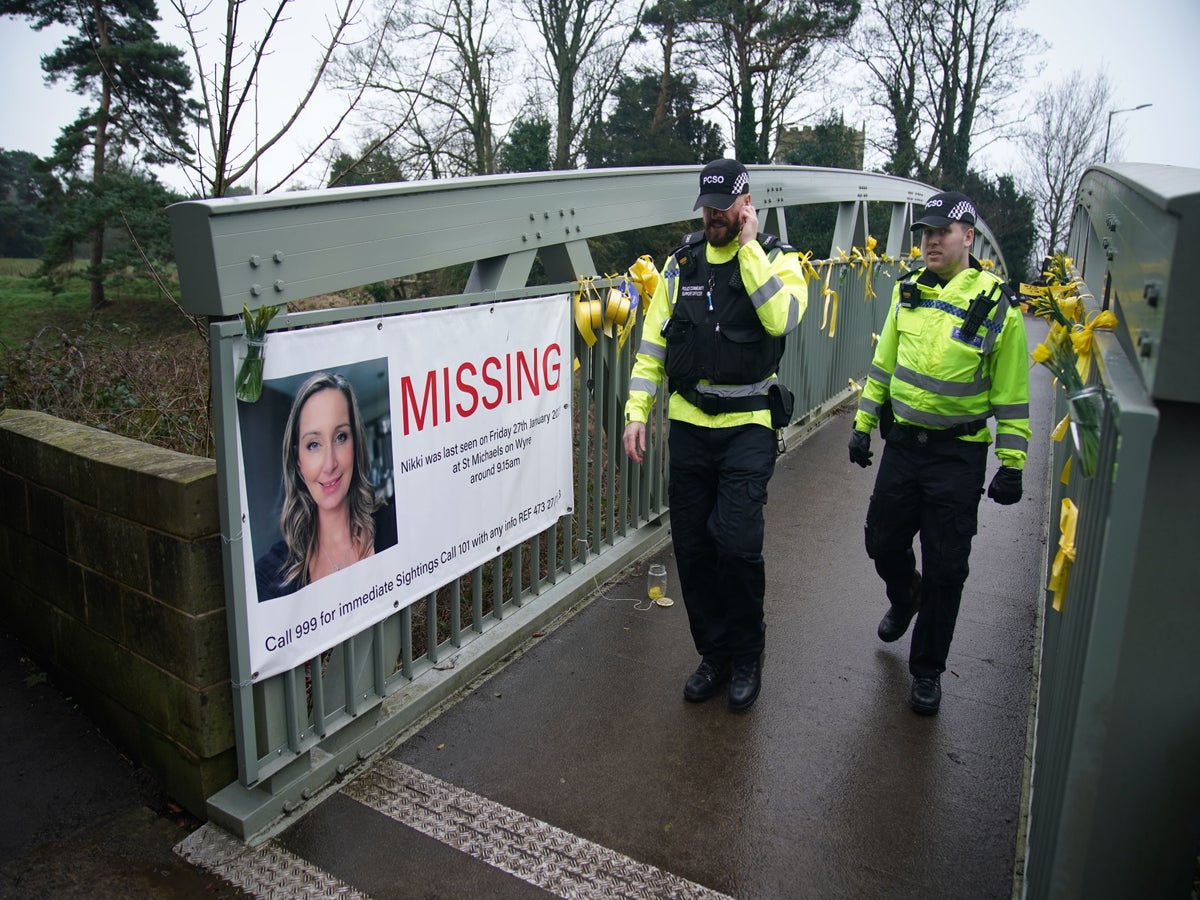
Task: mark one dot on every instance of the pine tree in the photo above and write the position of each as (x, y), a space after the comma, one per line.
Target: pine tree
(138, 87)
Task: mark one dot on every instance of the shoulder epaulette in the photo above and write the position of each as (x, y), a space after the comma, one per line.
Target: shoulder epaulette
(685, 254)
(1008, 293)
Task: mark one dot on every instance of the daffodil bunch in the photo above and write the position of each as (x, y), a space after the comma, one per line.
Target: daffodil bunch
(1067, 353)
(248, 383)
(1059, 269)
(1057, 354)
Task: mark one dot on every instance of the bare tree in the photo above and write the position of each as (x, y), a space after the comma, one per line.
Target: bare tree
(762, 55)
(947, 69)
(893, 24)
(585, 45)
(241, 131)
(1067, 137)
(435, 87)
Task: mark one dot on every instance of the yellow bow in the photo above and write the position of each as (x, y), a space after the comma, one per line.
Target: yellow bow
(866, 258)
(1060, 571)
(1083, 337)
(806, 266)
(644, 275)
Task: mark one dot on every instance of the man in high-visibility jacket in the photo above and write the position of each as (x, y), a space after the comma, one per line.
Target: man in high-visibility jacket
(952, 354)
(715, 328)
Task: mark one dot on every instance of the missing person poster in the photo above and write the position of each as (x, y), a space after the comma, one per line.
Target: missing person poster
(385, 458)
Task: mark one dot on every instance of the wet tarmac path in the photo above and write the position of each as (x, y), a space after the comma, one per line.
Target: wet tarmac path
(578, 770)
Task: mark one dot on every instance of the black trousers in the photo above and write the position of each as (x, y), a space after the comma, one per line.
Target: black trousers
(718, 490)
(930, 489)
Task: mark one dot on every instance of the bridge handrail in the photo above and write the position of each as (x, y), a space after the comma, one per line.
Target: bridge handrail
(1111, 813)
(299, 732)
(285, 247)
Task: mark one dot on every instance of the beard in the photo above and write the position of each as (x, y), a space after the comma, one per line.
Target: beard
(720, 232)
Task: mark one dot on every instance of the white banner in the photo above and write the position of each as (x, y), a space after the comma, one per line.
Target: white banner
(448, 433)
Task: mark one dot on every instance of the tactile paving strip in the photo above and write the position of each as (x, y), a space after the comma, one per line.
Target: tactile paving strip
(541, 854)
(268, 872)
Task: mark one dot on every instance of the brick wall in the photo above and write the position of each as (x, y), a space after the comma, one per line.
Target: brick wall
(111, 575)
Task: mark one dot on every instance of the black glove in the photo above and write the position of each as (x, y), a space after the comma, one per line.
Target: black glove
(860, 448)
(1005, 488)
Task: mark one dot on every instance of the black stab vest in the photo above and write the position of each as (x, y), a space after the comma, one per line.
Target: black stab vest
(725, 344)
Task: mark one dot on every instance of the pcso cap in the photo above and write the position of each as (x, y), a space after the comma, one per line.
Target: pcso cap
(722, 182)
(942, 209)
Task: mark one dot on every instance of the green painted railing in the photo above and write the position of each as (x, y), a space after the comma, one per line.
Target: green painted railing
(300, 732)
(1114, 806)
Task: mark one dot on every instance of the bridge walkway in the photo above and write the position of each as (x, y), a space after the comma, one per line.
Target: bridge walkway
(578, 769)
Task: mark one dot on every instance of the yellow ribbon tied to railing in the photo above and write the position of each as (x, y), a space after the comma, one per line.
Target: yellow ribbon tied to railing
(1059, 432)
(619, 306)
(806, 266)
(621, 311)
(1083, 336)
(617, 310)
(1060, 571)
(644, 275)
(829, 310)
(866, 258)
(589, 310)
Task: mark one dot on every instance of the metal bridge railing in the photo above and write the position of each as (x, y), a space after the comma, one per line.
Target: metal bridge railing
(300, 732)
(1115, 786)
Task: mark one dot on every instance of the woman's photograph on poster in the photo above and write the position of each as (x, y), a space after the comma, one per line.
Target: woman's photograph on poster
(317, 457)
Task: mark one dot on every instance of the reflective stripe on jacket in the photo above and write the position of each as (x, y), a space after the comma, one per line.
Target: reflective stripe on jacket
(936, 379)
(776, 287)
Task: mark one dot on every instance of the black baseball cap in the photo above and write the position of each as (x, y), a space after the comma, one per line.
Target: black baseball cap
(722, 182)
(942, 209)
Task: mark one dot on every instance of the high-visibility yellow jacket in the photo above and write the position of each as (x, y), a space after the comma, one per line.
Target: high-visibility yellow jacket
(775, 284)
(937, 380)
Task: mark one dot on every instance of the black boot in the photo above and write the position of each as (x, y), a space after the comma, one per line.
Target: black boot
(745, 684)
(706, 680)
(926, 696)
(895, 622)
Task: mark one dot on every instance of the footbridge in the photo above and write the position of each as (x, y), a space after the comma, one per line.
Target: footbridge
(518, 729)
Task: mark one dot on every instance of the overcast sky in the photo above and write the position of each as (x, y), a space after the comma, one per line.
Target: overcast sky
(1149, 50)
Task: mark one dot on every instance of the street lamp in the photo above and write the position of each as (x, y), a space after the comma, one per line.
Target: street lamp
(1112, 113)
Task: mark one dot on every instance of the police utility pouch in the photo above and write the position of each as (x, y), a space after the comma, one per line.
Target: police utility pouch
(681, 351)
(781, 403)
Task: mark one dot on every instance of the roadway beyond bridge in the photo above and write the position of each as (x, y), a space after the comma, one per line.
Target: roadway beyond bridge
(578, 770)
